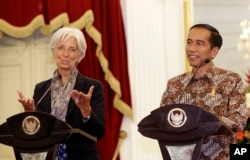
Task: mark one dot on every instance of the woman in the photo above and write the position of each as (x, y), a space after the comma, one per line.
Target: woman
(70, 96)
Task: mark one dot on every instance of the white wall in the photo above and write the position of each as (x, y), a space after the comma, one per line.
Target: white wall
(23, 62)
(155, 53)
(226, 16)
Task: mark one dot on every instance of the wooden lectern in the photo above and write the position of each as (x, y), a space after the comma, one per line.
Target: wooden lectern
(180, 128)
(36, 132)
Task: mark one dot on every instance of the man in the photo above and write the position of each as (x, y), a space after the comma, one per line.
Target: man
(215, 90)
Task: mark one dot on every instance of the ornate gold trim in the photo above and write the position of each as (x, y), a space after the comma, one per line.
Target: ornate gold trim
(109, 77)
(21, 32)
(59, 21)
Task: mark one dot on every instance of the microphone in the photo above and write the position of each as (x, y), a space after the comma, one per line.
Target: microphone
(207, 60)
(45, 93)
(198, 67)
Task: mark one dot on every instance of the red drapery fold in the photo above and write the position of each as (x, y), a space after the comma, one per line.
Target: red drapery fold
(20, 13)
(106, 58)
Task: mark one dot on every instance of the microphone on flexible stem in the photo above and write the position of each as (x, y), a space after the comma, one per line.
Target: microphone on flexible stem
(45, 93)
(198, 67)
(195, 71)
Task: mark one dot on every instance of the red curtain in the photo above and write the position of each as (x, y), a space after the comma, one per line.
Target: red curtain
(106, 57)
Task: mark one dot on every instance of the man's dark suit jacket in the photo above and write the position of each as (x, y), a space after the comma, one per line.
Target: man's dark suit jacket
(78, 146)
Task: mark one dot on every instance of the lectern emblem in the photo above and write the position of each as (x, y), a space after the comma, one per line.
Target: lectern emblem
(177, 117)
(31, 125)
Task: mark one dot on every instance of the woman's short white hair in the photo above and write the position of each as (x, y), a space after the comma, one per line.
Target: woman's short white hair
(67, 32)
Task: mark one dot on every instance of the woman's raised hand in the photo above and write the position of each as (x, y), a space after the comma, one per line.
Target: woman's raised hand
(28, 103)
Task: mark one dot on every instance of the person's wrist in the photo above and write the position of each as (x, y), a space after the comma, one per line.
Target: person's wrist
(86, 113)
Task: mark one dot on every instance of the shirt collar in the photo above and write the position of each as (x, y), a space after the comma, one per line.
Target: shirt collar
(208, 75)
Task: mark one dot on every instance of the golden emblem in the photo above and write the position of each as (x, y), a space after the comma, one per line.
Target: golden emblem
(177, 117)
(31, 125)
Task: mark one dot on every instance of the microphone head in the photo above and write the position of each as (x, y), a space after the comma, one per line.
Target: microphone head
(206, 60)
